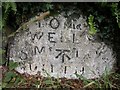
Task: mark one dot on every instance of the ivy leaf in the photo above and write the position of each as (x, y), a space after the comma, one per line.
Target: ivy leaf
(8, 76)
(13, 65)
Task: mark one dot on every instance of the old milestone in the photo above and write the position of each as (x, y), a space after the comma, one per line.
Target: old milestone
(60, 46)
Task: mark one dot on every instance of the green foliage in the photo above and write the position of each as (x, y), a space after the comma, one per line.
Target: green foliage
(8, 76)
(101, 14)
(0, 22)
(11, 78)
(2, 51)
(0, 16)
(0, 4)
(105, 81)
(92, 28)
(102, 17)
(8, 7)
(48, 82)
(47, 7)
(85, 80)
(12, 65)
(2, 61)
(116, 12)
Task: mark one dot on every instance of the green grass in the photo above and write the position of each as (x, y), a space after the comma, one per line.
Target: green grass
(106, 81)
(13, 79)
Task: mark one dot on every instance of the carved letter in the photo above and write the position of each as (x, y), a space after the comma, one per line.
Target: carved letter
(51, 68)
(54, 23)
(23, 55)
(37, 49)
(63, 54)
(65, 69)
(38, 35)
(73, 37)
(50, 38)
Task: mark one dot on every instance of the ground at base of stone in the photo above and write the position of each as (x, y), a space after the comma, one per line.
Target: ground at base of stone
(41, 83)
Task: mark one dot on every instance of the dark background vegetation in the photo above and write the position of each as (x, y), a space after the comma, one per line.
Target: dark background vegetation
(106, 17)
(106, 20)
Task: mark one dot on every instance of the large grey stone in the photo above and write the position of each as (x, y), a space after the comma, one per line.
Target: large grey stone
(61, 46)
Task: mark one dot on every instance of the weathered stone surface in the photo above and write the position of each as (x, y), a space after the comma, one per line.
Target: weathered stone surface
(60, 46)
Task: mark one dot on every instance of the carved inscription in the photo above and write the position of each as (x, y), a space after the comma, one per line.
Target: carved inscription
(50, 37)
(62, 54)
(54, 23)
(60, 47)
